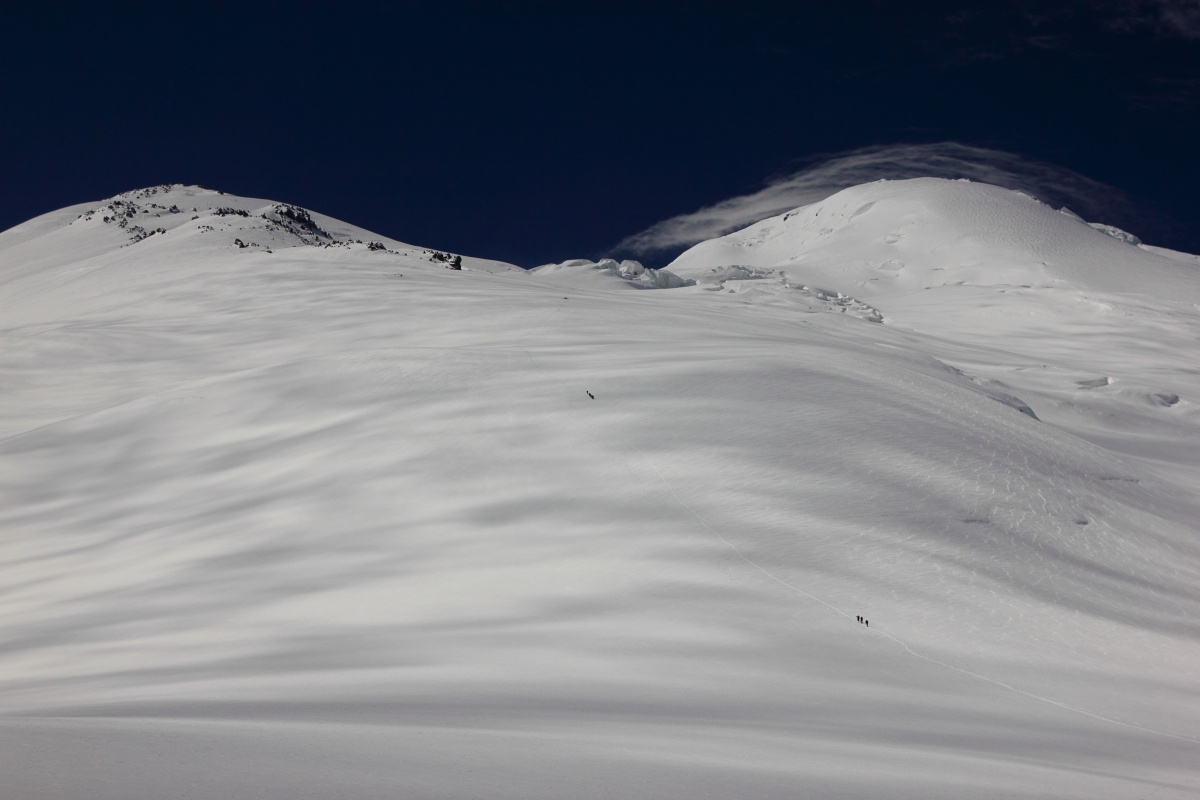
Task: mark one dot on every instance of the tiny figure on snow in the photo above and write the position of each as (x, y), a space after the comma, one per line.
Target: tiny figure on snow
(589, 394)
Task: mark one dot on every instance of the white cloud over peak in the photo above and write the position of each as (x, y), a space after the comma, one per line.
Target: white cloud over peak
(1056, 185)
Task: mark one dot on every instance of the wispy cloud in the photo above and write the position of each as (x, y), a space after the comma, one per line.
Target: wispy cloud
(1165, 17)
(1182, 16)
(988, 32)
(1052, 184)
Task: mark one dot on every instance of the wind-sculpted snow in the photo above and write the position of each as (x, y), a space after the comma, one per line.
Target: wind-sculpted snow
(340, 521)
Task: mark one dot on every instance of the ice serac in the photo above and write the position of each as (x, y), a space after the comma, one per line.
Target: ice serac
(292, 510)
(632, 273)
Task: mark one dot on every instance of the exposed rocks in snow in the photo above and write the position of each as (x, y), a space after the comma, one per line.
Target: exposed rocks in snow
(121, 213)
(139, 233)
(449, 260)
(229, 222)
(297, 221)
(150, 191)
(125, 209)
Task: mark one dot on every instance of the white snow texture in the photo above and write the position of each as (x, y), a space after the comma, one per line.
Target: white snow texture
(292, 510)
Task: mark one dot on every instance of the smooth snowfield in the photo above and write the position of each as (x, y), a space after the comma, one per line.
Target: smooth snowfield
(334, 521)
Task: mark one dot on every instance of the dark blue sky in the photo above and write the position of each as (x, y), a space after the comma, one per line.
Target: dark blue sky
(533, 132)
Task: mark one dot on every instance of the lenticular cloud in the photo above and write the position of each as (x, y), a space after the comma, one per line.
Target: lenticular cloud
(1050, 183)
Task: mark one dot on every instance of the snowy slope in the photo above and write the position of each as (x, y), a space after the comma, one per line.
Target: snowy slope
(894, 236)
(1100, 332)
(309, 519)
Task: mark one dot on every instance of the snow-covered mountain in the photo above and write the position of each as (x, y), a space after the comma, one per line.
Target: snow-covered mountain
(1097, 328)
(294, 510)
(891, 237)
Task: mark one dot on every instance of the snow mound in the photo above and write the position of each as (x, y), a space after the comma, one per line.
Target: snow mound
(893, 237)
